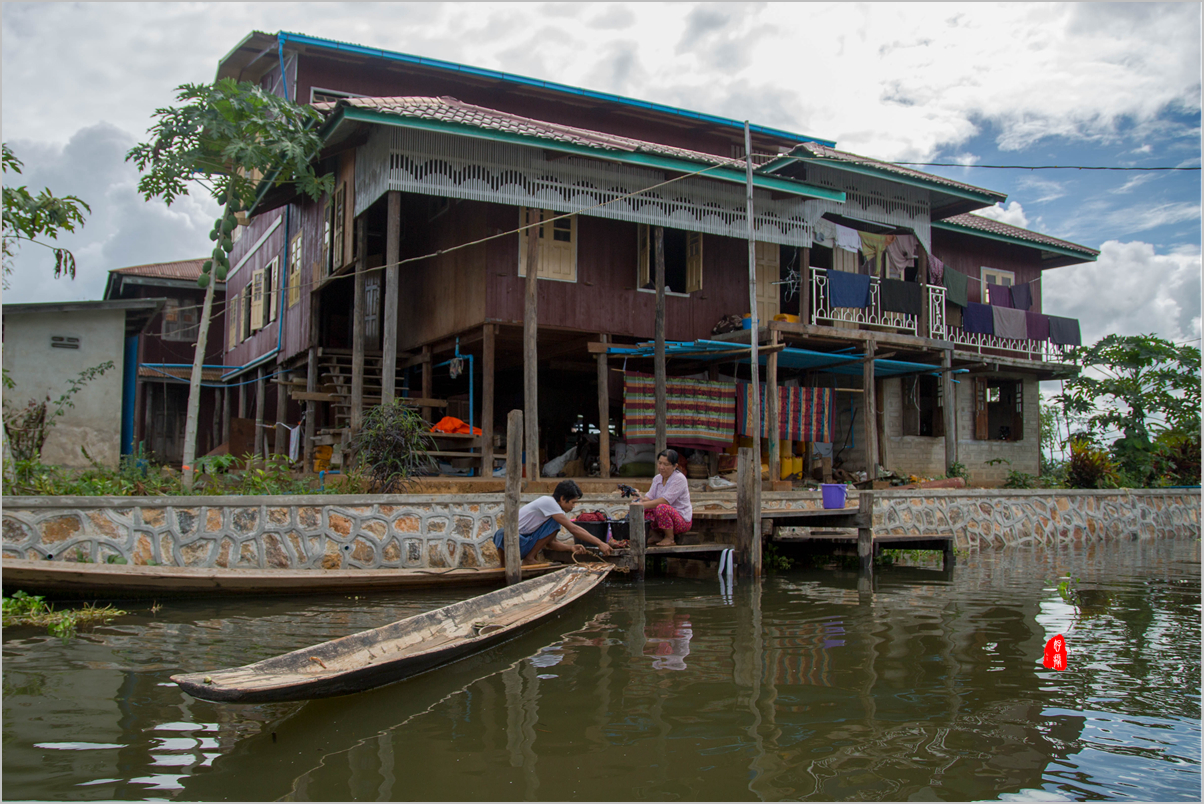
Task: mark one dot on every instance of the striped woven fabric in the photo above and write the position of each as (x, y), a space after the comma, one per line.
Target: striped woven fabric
(701, 413)
(806, 413)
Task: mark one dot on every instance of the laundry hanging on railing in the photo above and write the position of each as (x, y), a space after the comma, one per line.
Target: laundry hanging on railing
(1064, 331)
(848, 290)
(1009, 323)
(978, 318)
(700, 414)
(999, 295)
(936, 271)
(873, 246)
(901, 254)
(804, 414)
(1036, 326)
(898, 296)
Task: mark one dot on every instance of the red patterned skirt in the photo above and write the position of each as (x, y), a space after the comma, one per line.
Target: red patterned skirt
(666, 517)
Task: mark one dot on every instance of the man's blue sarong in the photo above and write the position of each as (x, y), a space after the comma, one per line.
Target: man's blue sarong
(527, 541)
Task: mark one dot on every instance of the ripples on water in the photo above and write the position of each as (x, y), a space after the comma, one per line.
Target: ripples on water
(929, 688)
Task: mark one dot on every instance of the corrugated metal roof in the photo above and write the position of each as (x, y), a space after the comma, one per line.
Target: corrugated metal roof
(181, 269)
(982, 224)
(450, 110)
(819, 151)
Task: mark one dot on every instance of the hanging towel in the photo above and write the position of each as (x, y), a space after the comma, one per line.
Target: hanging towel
(1037, 326)
(1009, 323)
(978, 318)
(805, 414)
(936, 271)
(999, 295)
(898, 296)
(957, 286)
(294, 442)
(847, 239)
(873, 246)
(1064, 331)
(848, 290)
(901, 254)
(700, 413)
(1022, 296)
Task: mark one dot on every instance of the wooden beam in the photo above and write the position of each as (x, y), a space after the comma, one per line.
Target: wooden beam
(923, 328)
(428, 381)
(311, 408)
(282, 431)
(865, 533)
(388, 374)
(804, 291)
(869, 413)
(531, 349)
(226, 394)
(949, 412)
(773, 406)
(512, 557)
(662, 404)
(884, 457)
(487, 392)
(636, 533)
(748, 510)
(357, 327)
(603, 413)
(260, 404)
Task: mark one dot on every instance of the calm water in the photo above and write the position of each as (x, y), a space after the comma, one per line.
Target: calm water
(928, 687)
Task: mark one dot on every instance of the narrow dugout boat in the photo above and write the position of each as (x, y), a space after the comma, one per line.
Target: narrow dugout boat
(407, 647)
(75, 579)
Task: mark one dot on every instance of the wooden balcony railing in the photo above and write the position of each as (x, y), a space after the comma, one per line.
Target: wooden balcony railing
(936, 326)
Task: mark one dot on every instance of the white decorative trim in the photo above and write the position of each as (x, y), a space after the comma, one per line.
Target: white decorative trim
(434, 163)
(263, 237)
(877, 200)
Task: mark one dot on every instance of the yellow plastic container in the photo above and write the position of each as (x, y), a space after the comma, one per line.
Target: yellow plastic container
(793, 319)
(787, 468)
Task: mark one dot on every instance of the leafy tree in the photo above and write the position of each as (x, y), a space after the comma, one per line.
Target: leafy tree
(1143, 387)
(29, 217)
(225, 137)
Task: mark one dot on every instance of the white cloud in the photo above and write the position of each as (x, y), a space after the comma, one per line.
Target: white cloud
(1130, 290)
(1012, 214)
(1047, 189)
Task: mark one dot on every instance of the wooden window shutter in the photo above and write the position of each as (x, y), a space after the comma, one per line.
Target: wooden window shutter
(338, 253)
(643, 247)
(232, 319)
(271, 284)
(294, 272)
(768, 270)
(980, 409)
(246, 309)
(257, 300)
(1018, 413)
(327, 211)
(693, 261)
(558, 251)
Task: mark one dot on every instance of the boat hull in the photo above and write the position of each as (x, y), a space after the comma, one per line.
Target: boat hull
(362, 661)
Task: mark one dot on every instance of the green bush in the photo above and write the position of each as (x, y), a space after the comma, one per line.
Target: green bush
(1089, 467)
(392, 446)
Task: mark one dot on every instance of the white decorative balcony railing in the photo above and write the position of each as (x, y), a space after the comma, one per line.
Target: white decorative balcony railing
(822, 312)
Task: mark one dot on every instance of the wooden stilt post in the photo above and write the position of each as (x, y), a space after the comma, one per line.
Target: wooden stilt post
(428, 380)
(804, 290)
(487, 390)
(748, 511)
(773, 408)
(225, 435)
(357, 328)
(754, 361)
(260, 410)
(388, 369)
(865, 531)
(637, 534)
(869, 412)
(603, 411)
(531, 348)
(311, 407)
(922, 276)
(662, 405)
(949, 411)
(282, 432)
(242, 397)
(514, 471)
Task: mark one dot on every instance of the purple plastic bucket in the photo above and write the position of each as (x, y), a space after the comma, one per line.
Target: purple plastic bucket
(834, 494)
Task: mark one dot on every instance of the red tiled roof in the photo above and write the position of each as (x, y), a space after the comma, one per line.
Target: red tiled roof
(819, 151)
(450, 110)
(982, 224)
(181, 269)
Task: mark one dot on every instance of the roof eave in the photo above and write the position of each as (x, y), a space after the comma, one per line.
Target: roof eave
(772, 183)
(985, 198)
(1062, 256)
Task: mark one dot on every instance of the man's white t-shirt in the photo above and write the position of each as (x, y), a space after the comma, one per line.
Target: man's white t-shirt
(532, 515)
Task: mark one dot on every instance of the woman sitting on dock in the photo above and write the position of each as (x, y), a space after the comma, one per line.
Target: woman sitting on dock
(541, 519)
(667, 503)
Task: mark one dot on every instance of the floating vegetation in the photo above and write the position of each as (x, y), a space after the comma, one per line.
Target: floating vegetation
(24, 609)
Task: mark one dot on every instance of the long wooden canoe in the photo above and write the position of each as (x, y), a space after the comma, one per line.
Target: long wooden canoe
(383, 655)
(70, 578)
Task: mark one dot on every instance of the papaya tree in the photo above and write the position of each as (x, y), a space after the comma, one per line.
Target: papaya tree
(34, 219)
(226, 138)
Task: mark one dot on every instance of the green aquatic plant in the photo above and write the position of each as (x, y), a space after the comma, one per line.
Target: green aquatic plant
(1068, 590)
(774, 560)
(26, 609)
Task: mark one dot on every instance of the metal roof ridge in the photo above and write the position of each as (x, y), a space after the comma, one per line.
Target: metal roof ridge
(1067, 243)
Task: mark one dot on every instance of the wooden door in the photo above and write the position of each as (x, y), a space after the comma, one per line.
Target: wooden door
(768, 272)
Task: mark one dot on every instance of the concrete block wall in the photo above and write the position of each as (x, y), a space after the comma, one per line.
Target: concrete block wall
(413, 531)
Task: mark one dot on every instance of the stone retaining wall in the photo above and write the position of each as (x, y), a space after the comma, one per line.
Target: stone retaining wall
(344, 531)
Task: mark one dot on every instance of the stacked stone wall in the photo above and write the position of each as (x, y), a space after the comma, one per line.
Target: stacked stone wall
(341, 531)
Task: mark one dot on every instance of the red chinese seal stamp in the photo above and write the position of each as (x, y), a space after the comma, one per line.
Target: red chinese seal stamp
(1055, 653)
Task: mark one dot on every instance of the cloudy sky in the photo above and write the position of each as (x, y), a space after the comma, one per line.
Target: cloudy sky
(973, 84)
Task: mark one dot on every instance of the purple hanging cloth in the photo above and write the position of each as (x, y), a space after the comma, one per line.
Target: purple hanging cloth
(978, 318)
(1037, 326)
(1022, 296)
(999, 295)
